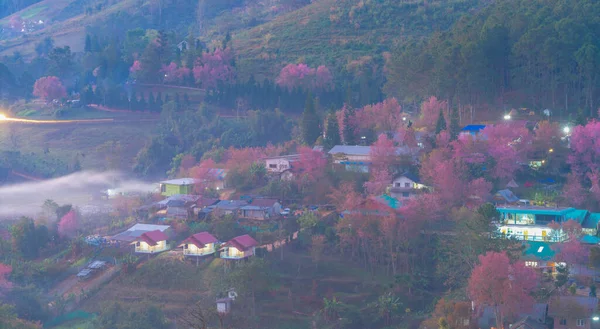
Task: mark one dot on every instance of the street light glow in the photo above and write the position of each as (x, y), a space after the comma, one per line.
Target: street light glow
(3, 117)
(596, 318)
(566, 130)
(507, 117)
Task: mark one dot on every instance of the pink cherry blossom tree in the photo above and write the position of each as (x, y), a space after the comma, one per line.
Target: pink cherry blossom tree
(386, 116)
(383, 154)
(214, 68)
(5, 271)
(505, 287)
(311, 165)
(303, 76)
(430, 111)
(508, 145)
(68, 225)
(135, 68)
(173, 74)
(49, 88)
(378, 182)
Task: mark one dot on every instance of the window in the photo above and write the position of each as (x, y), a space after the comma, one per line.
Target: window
(580, 322)
(563, 322)
(406, 184)
(405, 194)
(163, 188)
(398, 185)
(273, 165)
(185, 246)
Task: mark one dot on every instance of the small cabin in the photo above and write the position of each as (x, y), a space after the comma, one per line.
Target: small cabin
(178, 186)
(406, 186)
(199, 244)
(151, 242)
(239, 247)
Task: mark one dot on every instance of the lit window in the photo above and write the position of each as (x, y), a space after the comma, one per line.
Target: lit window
(580, 322)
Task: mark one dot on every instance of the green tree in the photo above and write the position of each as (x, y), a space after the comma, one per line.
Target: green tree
(441, 123)
(131, 316)
(309, 124)
(386, 305)
(454, 123)
(349, 136)
(332, 132)
(88, 44)
(28, 238)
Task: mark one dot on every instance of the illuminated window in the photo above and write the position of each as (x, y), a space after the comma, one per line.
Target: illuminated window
(580, 322)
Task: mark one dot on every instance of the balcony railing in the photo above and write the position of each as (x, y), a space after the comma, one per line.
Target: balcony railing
(529, 237)
(188, 252)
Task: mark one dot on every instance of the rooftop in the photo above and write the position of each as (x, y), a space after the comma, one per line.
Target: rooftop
(180, 181)
(537, 250)
(137, 230)
(287, 157)
(473, 128)
(243, 242)
(569, 306)
(558, 211)
(200, 239)
(264, 202)
(153, 237)
(351, 149)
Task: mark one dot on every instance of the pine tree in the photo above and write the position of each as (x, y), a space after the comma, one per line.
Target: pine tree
(159, 102)
(88, 43)
(151, 102)
(441, 123)
(310, 122)
(332, 131)
(454, 123)
(348, 128)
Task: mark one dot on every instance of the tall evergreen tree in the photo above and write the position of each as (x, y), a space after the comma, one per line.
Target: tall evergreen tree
(441, 123)
(454, 123)
(332, 131)
(88, 43)
(348, 128)
(310, 122)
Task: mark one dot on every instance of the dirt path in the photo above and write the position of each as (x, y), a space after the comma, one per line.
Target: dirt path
(113, 110)
(73, 285)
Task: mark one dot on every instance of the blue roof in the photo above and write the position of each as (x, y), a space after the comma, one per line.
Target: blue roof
(389, 201)
(507, 195)
(538, 250)
(591, 221)
(590, 239)
(474, 128)
(536, 210)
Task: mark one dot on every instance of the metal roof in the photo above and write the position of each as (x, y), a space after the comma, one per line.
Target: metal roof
(535, 210)
(351, 149)
(181, 181)
(538, 250)
(137, 230)
(97, 264)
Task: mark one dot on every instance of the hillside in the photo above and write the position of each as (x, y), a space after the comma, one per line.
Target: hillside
(331, 32)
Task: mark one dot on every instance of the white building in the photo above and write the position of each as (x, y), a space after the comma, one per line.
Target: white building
(406, 186)
(280, 164)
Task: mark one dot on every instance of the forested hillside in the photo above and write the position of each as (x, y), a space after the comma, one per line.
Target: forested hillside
(522, 53)
(8, 7)
(345, 34)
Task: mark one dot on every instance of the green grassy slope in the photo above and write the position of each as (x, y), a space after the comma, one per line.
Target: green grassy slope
(332, 32)
(66, 27)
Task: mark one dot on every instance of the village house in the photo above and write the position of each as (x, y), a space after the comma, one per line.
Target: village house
(203, 207)
(573, 311)
(178, 206)
(178, 186)
(228, 207)
(486, 318)
(353, 157)
(472, 130)
(406, 186)
(525, 222)
(261, 209)
(279, 164)
(151, 242)
(136, 231)
(505, 196)
(239, 247)
(199, 244)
